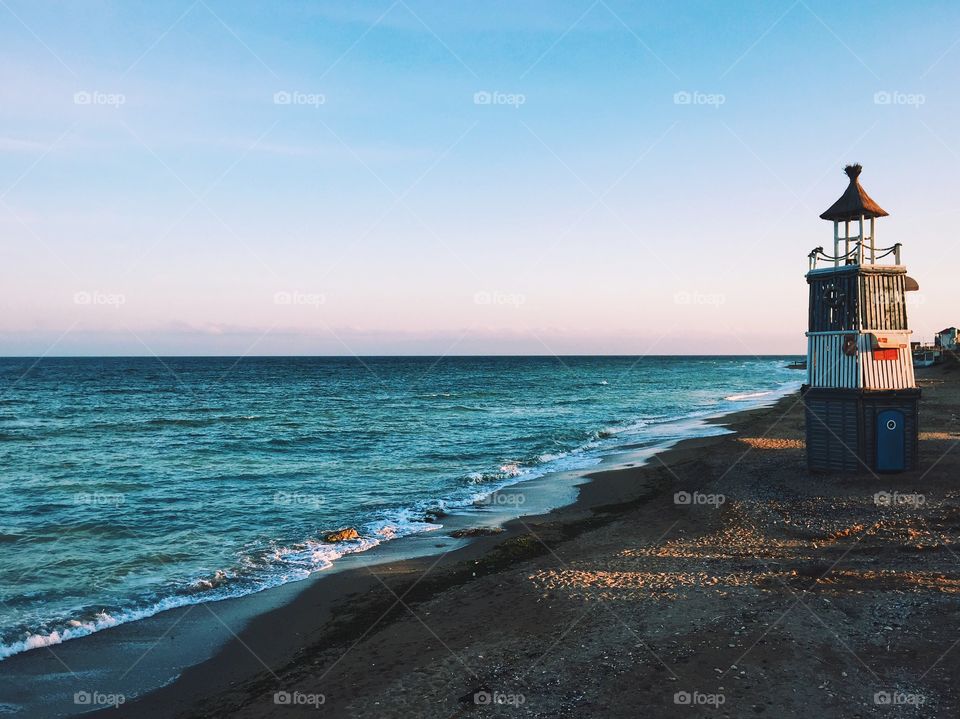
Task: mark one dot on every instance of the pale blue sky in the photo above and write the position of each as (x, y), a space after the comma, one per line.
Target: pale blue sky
(157, 194)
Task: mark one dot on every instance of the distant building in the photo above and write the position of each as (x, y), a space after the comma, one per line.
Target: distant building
(947, 339)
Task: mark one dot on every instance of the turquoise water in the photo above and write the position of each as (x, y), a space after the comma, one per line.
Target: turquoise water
(131, 485)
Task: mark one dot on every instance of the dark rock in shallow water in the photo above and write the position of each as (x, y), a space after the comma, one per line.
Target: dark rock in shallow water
(342, 535)
(476, 532)
(432, 515)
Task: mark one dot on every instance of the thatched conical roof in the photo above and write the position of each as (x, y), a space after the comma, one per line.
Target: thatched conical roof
(854, 202)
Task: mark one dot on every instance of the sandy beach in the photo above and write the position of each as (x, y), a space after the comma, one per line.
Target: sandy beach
(721, 578)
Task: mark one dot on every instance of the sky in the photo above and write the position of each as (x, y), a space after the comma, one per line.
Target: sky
(198, 177)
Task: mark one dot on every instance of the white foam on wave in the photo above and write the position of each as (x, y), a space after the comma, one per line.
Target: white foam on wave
(303, 559)
(747, 395)
(74, 629)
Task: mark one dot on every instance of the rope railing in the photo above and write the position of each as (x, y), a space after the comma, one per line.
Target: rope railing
(855, 256)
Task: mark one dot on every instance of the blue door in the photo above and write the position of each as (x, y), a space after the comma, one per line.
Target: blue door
(891, 441)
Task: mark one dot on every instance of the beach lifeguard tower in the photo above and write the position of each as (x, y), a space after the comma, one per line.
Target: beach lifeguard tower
(861, 397)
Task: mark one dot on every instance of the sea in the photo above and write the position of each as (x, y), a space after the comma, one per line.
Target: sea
(134, 485)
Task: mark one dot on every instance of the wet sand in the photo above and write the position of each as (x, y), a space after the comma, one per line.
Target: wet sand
(763, 590)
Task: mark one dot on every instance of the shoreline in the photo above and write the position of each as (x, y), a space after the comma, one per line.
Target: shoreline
(668, 599)
(320, 609)
(176, 640)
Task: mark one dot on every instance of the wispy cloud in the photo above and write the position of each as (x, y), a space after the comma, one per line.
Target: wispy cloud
(16, 144)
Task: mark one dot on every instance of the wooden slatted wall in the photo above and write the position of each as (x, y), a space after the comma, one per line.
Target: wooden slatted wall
(825, 317)
(883, 302)
(886, 374)
(833, 438)
(827, 365)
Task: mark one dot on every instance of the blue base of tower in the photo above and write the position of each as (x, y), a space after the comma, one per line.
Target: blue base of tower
(852, 430)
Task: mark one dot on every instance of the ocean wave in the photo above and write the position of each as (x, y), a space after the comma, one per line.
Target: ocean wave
(274, 567)
(264, 567)
(747, 395)
(74, 630)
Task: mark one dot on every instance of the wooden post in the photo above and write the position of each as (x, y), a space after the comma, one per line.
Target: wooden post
(860, 244)
(896, 253)
(873, 244)
(846, 232)
(836, 243)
